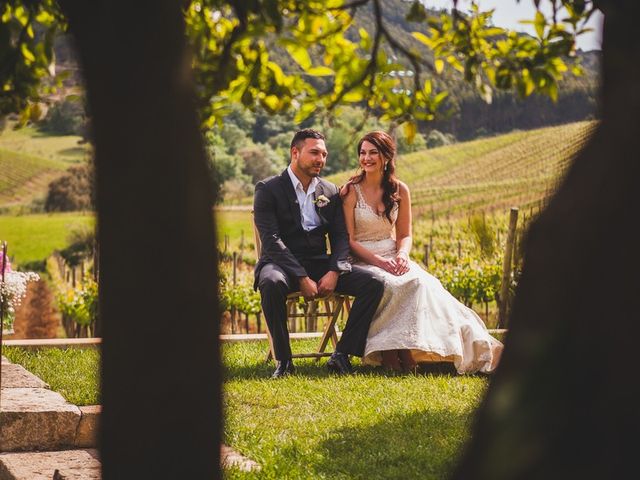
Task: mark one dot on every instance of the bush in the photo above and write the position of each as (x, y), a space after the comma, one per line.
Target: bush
(71, 192)
(66, 118)
(437, 139)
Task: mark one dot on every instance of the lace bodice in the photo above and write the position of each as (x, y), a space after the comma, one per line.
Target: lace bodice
(369, 226)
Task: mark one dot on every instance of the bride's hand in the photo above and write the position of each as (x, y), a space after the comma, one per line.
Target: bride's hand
(388, 264)
(402, 263)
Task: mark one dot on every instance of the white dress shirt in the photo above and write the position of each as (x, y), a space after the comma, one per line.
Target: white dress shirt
(308, 214)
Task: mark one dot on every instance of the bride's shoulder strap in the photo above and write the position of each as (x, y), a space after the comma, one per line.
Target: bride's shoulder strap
(359, 195)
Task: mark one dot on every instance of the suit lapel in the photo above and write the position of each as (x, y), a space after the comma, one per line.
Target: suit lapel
(319, 191)
(292, 199)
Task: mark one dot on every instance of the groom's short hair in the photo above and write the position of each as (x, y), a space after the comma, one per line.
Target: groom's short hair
(301, 135)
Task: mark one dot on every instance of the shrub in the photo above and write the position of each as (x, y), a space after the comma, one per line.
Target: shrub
(66, 118)
(437, 139)
(71, 192)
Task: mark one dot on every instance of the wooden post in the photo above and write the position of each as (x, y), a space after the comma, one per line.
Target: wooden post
(241, 241)
(234, 313)
(459, 249)
(4, 265)
(73, 277)
(506, 269)
(426, 256)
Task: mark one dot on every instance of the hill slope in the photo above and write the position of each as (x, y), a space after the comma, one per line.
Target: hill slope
(491, 174)
(30, 160)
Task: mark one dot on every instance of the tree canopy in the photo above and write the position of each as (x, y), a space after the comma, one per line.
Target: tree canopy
(232, 43)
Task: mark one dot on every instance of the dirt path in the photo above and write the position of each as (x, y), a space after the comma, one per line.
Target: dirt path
(36, 317)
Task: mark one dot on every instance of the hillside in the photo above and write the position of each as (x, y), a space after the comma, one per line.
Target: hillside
(29, 160)
(490, 174)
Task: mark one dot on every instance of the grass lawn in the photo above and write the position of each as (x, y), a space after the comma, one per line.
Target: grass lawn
(313, 425)
(72, 372)
(31, 141)
(35, 237)
(234, 223)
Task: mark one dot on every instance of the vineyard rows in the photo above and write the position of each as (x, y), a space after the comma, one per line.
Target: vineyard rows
(19, 171)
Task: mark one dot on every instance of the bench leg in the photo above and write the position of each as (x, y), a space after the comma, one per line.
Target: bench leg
(330, 329)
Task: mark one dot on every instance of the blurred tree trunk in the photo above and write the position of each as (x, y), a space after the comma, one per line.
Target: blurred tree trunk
(561, 403)
(160, 357)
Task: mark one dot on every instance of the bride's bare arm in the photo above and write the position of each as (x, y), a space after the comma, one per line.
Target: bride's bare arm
(404, 239)
(364, 254)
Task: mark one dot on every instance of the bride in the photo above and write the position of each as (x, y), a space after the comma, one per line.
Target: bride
(417, 320)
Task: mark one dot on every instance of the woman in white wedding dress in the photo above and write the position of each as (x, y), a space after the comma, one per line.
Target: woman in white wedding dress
(417, 320)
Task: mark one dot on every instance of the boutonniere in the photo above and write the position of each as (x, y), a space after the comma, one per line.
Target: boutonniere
(321, 201)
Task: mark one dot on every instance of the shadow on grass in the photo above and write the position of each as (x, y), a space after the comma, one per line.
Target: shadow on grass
(79, 152)
(422, 445)
(312, 369)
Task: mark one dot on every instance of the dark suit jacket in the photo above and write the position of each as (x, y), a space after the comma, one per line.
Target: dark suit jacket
(284, 241)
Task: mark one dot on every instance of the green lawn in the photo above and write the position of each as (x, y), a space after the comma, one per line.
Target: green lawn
(35, 237)
(313, 425)
(31, 141)
(72, 372)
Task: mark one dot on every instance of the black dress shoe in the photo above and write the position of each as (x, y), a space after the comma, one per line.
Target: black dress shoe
(283, 368)
(339, 363)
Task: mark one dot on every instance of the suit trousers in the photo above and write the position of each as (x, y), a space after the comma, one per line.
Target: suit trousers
(274, 285)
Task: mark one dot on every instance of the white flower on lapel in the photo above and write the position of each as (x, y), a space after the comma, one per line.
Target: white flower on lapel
(321, 201)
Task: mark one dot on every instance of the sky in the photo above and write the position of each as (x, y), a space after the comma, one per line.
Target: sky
(509, 12)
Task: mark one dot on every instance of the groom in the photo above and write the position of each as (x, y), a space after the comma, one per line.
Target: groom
(293, 213)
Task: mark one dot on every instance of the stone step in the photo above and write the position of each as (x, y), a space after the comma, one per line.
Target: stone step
(33, 417)
(69, 464)
(82, 464)
(36, 419)
(16, 376)
(35, 422)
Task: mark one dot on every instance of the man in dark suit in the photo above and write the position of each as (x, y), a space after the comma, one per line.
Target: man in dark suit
(293, 213)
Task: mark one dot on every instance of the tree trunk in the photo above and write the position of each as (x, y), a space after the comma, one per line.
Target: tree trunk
(158, 270)
(560, 404)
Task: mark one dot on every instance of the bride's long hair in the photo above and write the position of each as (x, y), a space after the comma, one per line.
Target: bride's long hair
(387, 148)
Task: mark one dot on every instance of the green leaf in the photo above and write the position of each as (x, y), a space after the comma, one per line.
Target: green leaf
(410, 130)
(271, 102)
(299, 54)
(320, 71)
(353, 96)
(539, 24)
(29, 57)
(421, 37)
(305, 112)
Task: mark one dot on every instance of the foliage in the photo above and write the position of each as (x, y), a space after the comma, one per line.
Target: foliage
(483, 234)
(66, 118)
(79, 304)
(241, 296)
(81, 242)
(437, 139)
(72, 191)
(27, 33)
(471, 281)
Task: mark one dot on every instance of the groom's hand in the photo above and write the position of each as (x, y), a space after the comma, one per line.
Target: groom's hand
(308, 287)
(327, 284)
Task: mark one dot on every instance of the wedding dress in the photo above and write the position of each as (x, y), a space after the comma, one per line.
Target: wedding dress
(416, 312)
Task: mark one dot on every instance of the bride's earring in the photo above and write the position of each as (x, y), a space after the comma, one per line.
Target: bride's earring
(386, 165)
